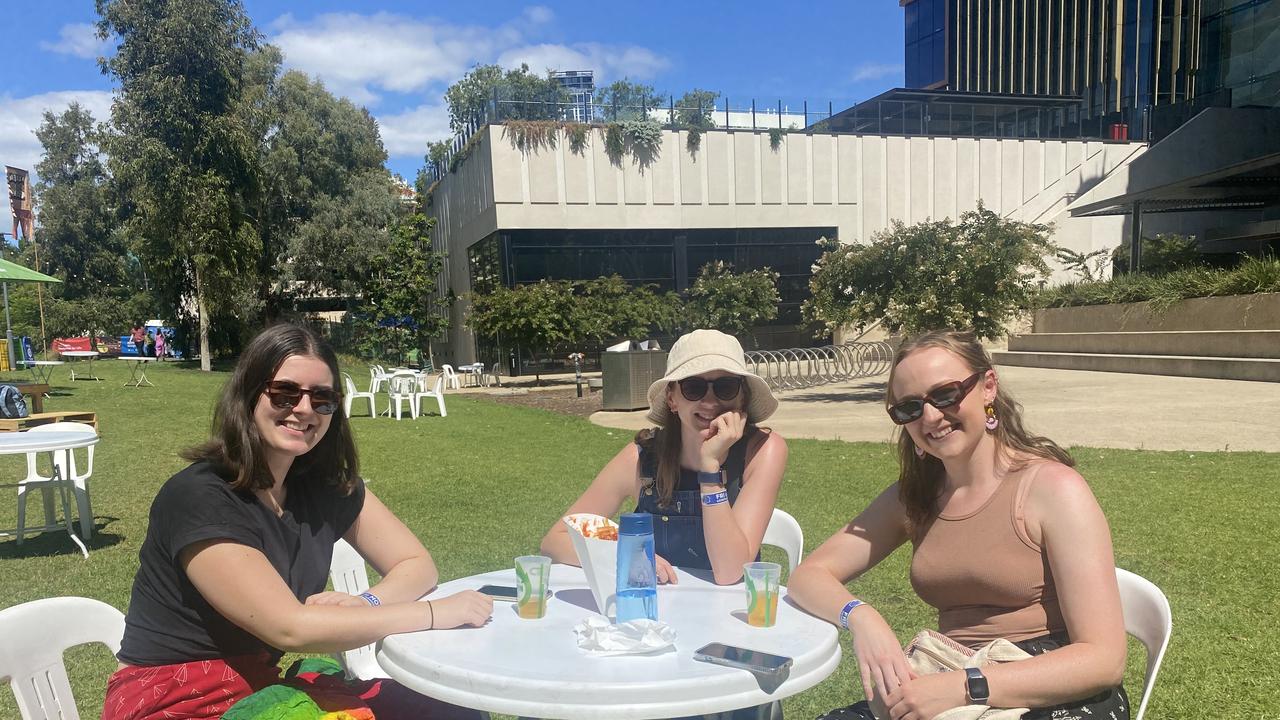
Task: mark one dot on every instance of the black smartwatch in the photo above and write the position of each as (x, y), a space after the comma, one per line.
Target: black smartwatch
(975, 686)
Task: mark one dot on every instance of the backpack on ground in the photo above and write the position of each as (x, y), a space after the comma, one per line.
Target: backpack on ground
(12, 404)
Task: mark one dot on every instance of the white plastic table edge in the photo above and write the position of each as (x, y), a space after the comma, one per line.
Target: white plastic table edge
(732, 689)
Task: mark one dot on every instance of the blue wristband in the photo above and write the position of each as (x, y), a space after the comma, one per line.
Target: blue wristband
(715, 498)
(371, 598)
(848, 608)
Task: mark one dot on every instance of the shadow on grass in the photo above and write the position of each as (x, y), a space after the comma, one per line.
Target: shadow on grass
(52, 543)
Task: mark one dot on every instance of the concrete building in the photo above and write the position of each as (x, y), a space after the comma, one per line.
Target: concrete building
(511, 217)
(581, 86)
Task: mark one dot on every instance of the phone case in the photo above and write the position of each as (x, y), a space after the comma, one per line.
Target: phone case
(758, 669)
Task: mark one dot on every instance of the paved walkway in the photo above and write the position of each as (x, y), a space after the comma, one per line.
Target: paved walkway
(1114, 410)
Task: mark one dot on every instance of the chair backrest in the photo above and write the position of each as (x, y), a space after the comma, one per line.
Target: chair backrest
(784, 532)
(404, 383)
(57, 457)
(447, 370)
(1147, 617)
(348, 574)
(349, 385)
(35, 636)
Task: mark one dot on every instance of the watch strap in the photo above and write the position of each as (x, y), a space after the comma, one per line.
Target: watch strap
(711, 478)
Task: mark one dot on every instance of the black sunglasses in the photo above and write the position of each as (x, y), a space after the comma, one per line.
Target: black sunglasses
(695, 388)
(284, 394)
(940, 397)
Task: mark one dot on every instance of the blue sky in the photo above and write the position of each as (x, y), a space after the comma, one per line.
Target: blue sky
(396, 58)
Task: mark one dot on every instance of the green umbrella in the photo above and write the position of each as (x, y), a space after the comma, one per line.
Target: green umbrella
(13, 272)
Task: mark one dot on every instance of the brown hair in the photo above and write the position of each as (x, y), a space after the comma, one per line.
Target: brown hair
(235, 443)
(920, 478)
(664, 442)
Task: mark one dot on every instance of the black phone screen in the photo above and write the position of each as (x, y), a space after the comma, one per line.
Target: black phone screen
(500, 592)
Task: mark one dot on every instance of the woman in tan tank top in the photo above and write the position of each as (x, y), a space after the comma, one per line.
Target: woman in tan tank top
(1008, 541)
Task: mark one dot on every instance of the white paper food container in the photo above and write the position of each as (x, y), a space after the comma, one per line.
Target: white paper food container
(599, 559)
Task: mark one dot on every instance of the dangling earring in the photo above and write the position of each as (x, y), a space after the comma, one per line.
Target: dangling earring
(919, 451)
(992, 420)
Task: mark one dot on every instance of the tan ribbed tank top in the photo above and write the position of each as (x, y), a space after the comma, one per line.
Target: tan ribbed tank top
(984, 575)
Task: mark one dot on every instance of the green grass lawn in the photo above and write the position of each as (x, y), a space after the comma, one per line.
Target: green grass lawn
(482, 485)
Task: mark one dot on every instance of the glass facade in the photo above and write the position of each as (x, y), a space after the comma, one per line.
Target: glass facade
(1241, 41)
(926, 35)
(669, 259)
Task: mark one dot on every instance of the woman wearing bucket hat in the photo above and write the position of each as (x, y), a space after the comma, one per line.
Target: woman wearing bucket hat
(708, 473)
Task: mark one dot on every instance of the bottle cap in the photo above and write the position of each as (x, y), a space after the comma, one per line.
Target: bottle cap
(635, 523)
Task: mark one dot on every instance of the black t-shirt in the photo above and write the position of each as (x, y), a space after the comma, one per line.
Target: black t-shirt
(169, 621)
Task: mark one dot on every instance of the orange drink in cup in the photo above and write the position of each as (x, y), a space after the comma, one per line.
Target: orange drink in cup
(761, 580)
(532, 574)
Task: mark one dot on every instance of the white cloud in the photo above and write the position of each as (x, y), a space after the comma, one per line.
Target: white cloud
(77, 39)
(364, 56)
(876, 71)
(360, 55)
(407, 133)
(609, 61)
(19, 118)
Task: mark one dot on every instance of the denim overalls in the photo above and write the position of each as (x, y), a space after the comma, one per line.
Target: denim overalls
(677, 527)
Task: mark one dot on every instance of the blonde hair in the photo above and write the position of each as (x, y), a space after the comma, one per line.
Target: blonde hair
(920, 479)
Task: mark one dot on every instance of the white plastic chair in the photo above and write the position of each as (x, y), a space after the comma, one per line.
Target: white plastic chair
(450, 377)
(495, 375)
(351, 394)
(348, 574)
(1147, 617)
(784, 532)
(436, 392)
(378, 377)
(35, 636)
(403, 388)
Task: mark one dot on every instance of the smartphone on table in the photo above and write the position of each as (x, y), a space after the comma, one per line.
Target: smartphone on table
(742, 658)
(506, 593)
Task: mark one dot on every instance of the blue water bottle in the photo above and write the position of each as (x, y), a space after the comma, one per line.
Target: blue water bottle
(637, 573)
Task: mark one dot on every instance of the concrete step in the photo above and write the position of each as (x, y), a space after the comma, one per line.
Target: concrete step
(1202, 343)
(1223, 368)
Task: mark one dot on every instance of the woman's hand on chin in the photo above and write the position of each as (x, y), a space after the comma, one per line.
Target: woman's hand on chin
(724, 431)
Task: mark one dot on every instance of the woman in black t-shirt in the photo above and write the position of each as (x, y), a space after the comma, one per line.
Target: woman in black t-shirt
(233, 568)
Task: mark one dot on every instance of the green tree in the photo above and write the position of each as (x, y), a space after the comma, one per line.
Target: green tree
(733, 303)
(624, 100)
(101, 291)
(184, 149)
(400, 309)
(694, 109)
(536, 318)
(936, 274)
(608, 309)
(524, 96)
(1089, 266)
(325, 188)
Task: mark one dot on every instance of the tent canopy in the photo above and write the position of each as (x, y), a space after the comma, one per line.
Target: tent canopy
(13, 272)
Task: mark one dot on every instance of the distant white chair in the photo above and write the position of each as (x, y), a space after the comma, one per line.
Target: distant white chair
(784, 532)
(403, 389)
(1147, 617)
(35, 636)
(348, 574)
(437, 392)
(378, 377)
(350, 394)
(450, 377)
(494, 375)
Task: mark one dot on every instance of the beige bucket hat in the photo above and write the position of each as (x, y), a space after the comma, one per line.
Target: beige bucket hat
(703, 351)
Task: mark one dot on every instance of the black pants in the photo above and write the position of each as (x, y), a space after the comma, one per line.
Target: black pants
(1110, 704)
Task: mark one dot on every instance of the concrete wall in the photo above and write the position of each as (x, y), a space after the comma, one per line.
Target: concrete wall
(1234, 312)
(856, 183)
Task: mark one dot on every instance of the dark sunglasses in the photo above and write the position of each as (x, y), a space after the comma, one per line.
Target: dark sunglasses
(940, 397)
(284, 394)
(695, 388)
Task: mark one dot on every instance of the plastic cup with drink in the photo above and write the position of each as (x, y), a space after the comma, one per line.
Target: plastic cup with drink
(761, 580)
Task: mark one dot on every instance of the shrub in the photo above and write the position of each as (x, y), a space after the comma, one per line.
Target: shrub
(1253, 275)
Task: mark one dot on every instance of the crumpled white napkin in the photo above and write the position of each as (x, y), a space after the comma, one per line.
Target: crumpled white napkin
(596, 636)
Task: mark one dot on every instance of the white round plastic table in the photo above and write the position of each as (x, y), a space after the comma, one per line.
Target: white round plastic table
(88, 356)
(533, 668)
(41, 369)
(137, 370)
(20, 443)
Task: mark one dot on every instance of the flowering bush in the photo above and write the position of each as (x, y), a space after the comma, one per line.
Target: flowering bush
(934, 274)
